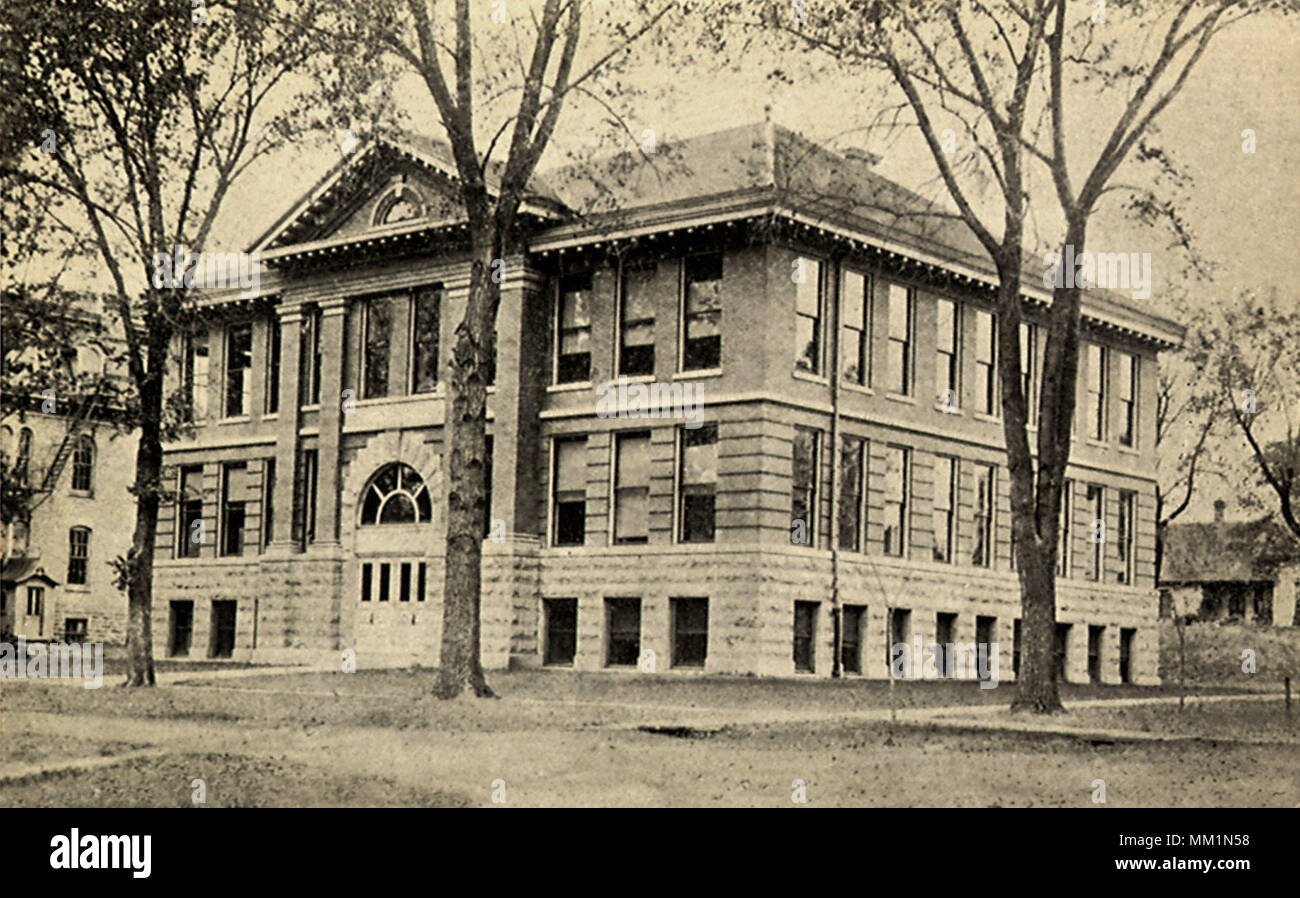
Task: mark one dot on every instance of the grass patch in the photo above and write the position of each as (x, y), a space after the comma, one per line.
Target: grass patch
(231, 781)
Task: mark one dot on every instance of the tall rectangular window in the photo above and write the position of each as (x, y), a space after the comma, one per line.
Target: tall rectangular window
(560, 618)
(632, 488)
(702, 312)
(273, 365)
(855, 331)
(986, 384)
(1124, 537)
(636, 321)
(947, 354)
(404, 582)
(900, 633)
(239, 359)
(1065, 551)
(899, 358)
(945, 505)
(805, 635)
(852, 480)
(808, 315)
(1097, 530)
(309, 357)
(304, 498)
(268, 501)
(1029, 370)
(189, 512)
(83, 464)
(852, 617)
(1128, 385)
(622, 632)
(233, 487)
(569, 492)
(573, 329)
(377, 344)
(803, 492)
(697, 480)
(35, 601)
(897, 475)
(690, 629)
(1096, 391)
(196, 375)
(78, 554)
(982, 549)
(425, 310)
(985, 628)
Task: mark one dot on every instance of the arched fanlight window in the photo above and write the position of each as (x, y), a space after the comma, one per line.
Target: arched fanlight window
(396, 495)
(403, 204)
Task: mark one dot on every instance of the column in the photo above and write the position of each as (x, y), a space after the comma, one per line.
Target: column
(286, 429)
(331, 421)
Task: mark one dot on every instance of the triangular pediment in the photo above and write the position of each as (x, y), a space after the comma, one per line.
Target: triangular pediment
(384, 185)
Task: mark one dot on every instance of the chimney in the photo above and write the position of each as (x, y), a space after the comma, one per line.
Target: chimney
(1219, 505)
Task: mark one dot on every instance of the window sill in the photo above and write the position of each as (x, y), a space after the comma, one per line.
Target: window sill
(271, 416)
(76, 587)
(698, 374)
(857, 388)
(311, 407)
(986, 418)
(901, 397)
(634, 379)
(82, 494)
(1127, 450)
(569, 388)
(389, 400)
(1097, 444)
(810, 377)
(237, 419)
(949, 410)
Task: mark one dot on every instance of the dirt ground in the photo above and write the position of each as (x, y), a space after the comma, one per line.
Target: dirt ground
(333, 740)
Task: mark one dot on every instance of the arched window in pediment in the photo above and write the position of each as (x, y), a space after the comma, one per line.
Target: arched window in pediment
(401, 204)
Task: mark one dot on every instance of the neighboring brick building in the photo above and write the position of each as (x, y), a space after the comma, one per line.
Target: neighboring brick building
(314, 478)
(57, 577)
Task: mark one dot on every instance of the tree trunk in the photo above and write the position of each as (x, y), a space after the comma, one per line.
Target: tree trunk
(1037, 689)
(148, 469)
(464, 469)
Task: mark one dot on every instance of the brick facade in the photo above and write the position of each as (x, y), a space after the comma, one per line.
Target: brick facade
(344, 584)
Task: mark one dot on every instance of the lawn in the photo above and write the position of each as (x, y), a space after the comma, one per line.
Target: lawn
(561, 738)
(230, 781)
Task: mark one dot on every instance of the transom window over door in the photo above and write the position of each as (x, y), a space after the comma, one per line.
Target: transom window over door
(396, 495)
